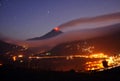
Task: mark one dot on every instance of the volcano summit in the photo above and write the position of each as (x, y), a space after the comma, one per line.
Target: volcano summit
(56, 31)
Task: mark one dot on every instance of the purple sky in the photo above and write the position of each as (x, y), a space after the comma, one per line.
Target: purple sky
(22, 19)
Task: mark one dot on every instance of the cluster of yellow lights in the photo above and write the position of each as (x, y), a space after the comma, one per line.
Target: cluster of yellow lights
(89, 49)
(98, 55)
(94, 65)
(14, 58)
(113, 61)
(91, 65)
(25, 47)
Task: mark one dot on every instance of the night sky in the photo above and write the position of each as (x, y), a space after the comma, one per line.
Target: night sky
(23, 19)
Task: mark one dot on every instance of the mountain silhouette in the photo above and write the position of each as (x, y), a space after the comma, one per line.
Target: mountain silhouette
(50, 34)
(7, 47)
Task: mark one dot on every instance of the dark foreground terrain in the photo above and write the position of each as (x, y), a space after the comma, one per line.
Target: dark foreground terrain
(17, 74)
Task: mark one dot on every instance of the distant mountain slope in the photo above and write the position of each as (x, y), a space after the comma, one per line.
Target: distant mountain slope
(6, 47)
(50, 34)
(109, 43)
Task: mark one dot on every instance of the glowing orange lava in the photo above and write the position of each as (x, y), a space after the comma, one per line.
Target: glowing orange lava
(56, 29)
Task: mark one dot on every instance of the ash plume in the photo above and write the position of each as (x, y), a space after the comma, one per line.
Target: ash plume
(91, 22)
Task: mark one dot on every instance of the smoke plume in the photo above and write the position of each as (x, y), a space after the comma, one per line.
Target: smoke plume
(92, 22)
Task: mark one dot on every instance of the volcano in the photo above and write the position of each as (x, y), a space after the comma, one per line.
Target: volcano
(52, 33)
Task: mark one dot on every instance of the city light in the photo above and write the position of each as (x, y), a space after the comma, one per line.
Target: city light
(98, 55)
(14, 58)
(20, 56)
(93, 61)
(94, 65)
(1, 64)
(25, 47)
(113, 61)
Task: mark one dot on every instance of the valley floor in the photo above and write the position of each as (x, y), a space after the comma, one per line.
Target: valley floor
(18, 74)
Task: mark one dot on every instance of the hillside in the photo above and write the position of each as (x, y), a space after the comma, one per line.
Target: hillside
(6, 47)
(109, 44)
